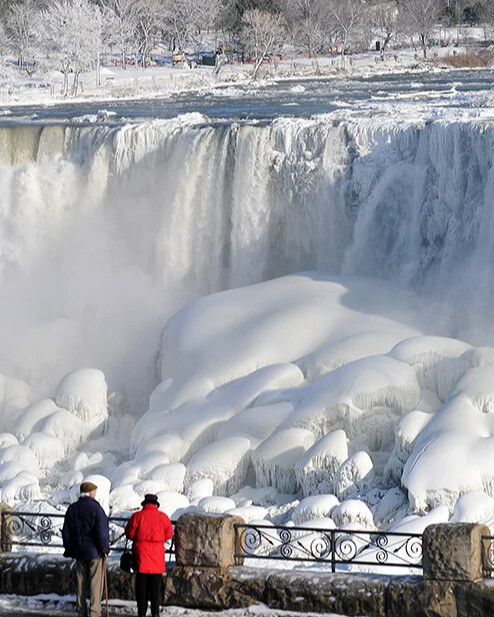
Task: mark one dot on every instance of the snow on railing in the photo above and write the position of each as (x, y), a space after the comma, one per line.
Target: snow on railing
(34, 530)
(335, 547)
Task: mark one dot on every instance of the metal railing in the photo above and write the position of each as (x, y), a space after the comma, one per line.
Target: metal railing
(332, 546)
(37, 529)
(488, 556)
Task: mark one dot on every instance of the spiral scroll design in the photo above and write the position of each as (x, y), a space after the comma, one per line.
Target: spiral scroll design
(346, 547)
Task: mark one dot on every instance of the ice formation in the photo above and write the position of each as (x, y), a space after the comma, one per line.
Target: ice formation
(300, 386)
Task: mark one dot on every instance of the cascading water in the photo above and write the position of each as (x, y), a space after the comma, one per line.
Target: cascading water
(105, 231)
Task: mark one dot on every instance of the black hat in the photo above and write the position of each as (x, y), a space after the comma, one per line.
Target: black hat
(149, 498)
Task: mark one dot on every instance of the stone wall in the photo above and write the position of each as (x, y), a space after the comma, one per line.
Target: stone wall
(206, 577)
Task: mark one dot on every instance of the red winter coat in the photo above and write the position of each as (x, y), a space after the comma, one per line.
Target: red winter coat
(149, 528)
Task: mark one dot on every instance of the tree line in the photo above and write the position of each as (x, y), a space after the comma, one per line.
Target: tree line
(73, 35)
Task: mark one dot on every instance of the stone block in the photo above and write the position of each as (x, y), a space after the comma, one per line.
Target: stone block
(453, 552)
(411, 595)
(214, 588)
(206, 540)
(344, 594)
(5, 528)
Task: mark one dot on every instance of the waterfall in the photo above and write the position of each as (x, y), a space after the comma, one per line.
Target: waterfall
(106, 230)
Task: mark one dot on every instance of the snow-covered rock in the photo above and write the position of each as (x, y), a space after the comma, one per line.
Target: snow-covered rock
(200, 488)
(171, 474)
(315, 507)
(216, 504)
(274, 459)
(172, 503)
(225, 462)
(353, 512)
(353, 475)
(47, 449)
(315, 470)
(84, 393)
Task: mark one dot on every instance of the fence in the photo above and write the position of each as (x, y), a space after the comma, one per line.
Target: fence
(39, 530)
(336, 547)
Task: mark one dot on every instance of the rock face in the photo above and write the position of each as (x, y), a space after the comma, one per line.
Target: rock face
(206, 540)
(453, 552)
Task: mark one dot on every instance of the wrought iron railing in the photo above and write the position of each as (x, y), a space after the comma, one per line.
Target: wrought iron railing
(37, 529)
(488, 556)
(332, 546)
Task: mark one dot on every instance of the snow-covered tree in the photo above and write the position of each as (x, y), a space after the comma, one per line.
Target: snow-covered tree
(120, 26)
(385, 21)
(262, 35)
(421, 17)
(308, 23)
(20, 27)
(71, 34)
(347, 18)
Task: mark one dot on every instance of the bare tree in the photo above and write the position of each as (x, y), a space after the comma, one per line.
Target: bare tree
(385, 22)
(21, 30)
(421, 17)
(347, 17)
(262, 35)
(70, 31)
(307, 21)
(120, 27)
(187, 20)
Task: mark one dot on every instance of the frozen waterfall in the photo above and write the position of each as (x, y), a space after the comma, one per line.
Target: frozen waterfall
(106, 230)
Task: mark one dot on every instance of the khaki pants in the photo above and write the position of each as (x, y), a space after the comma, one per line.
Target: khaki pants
(89, 573)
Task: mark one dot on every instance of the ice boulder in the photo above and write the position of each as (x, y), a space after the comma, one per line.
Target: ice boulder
(415, 523)
(216, 505)
(355, 474)
(23, 487)
(172, 503)
(407, 429)
(353, 512)
(249, 513)
(145, 487)
(62, 424)
(32, 415)
(474, 507)
(315, 470)
(428, 351)
(22, 456)
(84, 393)
(200, 488)
(170, 474)
(317, 506)
(275, 458)
(48, 449)
(478, 384)
(225, 462)
(124, 499)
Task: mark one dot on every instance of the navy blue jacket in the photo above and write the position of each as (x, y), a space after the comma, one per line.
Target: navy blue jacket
(85, 530)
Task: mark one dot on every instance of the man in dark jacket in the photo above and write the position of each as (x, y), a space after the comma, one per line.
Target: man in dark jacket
(86, 538)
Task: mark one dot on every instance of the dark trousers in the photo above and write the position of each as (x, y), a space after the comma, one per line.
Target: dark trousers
(148, 589)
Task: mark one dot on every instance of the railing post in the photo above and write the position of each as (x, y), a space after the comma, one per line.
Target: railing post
(5, 535)
(333, 551)
(453, 552)
(206, 540)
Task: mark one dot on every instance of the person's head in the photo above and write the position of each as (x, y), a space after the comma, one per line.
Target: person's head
(150, 499)
(88, 488)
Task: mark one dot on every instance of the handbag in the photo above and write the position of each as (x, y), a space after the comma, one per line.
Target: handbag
(127, 559)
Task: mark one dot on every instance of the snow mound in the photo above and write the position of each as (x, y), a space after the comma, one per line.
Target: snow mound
(316, 469)
(172, 504)
(256, 423)
(428, 351)
(225, 462)
(353, 512)
(200, 488)
(355, 474)
(7, 439)
(216, 505)
(47, 449)
(84, 393)
(249, 513)
(474, 507)
(275, 458)
(170, 474)
(30, 416)
(315, 507)
(62, 424)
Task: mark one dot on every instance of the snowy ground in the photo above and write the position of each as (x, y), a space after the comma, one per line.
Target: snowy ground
(61, 606)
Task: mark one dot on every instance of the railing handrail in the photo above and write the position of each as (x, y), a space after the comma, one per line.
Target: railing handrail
(333, 546)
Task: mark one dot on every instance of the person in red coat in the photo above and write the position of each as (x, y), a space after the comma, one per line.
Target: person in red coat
(149, 529)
